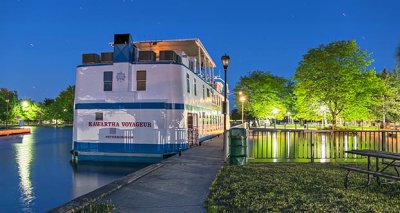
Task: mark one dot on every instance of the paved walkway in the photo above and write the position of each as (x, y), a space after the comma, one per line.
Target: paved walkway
(180, 185)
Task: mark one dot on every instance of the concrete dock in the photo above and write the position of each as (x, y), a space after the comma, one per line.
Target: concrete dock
(181, 184)
(7, 132)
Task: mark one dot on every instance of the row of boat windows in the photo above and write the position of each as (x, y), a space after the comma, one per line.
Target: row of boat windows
(140, 80)
(211, 119)
(215, 98)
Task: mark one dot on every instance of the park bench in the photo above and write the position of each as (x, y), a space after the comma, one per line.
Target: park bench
(388, 160)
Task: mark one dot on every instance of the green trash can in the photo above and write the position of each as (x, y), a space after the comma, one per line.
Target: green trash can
(238, 146)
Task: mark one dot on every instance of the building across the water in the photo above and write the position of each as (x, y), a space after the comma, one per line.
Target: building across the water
(145, 100)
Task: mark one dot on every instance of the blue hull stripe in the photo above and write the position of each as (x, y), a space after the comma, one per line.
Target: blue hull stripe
(129, 148)
(119, 159)
(145, 105)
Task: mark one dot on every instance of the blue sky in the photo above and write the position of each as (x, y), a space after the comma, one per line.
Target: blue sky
(42, 41)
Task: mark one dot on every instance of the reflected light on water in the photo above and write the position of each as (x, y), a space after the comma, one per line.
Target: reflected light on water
(24, 156)
(288, 144)
(323, 148)
(355, 142)
(274, 144)
(346, 144)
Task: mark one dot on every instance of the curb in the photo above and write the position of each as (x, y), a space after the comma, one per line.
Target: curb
(82, 201)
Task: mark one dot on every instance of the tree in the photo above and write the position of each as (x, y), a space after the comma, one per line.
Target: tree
(8, 100)
(235, 115)
(29, 110)
(265, 92)
(389, 107)
(48, 109)
(63, 107)
(336, 76)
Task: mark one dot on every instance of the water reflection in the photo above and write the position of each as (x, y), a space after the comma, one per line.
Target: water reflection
(24, 157)
(36, 176)
(288, 143)
(274, 144)
(89, 175)
(355, 139)
(323, 146)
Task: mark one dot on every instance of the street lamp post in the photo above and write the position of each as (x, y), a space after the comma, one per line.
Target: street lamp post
(225, 62)
(7, 102)
(242, 99)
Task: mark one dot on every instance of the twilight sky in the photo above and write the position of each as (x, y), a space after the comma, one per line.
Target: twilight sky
(42, 41)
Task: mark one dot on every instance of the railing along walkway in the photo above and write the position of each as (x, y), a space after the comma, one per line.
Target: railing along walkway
(321, 145)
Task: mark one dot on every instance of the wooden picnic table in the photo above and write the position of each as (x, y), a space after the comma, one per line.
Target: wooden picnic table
(383, 160)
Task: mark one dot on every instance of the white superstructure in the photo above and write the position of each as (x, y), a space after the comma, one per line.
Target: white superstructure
(145, 100)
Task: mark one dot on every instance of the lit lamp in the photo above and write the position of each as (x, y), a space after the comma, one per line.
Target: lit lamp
(242, 99)
(225, 62)
(274, 112)
(7, 102)
(25, 104)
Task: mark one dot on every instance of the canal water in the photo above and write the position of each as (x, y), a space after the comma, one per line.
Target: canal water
(36, 174)
(322, 146)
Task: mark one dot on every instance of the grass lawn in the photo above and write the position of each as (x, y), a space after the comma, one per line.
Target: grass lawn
(277, 187)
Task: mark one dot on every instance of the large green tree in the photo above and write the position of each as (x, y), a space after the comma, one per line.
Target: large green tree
(63, 107)
(48, 109)
(266, 95)
(389, 107)
(8, 101)
(337, 77)
(30, 110)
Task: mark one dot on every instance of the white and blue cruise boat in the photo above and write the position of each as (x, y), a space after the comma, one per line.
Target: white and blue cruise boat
(145, 100)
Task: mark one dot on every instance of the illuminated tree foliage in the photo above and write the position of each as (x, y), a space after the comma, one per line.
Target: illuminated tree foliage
(337, 76)
(389, 107)
(60, 108)
(264, 92)
(64, 105)
(12, 97)
(29, 110)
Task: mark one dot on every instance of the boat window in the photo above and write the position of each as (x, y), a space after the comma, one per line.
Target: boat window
(194, 86)
(204, 92)
(141, 80)
(108, 80)
(208, 92)
(113, 131)
(99, 116)
(187, 83)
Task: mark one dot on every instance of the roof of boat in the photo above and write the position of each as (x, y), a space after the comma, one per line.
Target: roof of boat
(190, 46)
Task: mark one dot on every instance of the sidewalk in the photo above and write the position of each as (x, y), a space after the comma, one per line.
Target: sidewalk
(181, 184)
